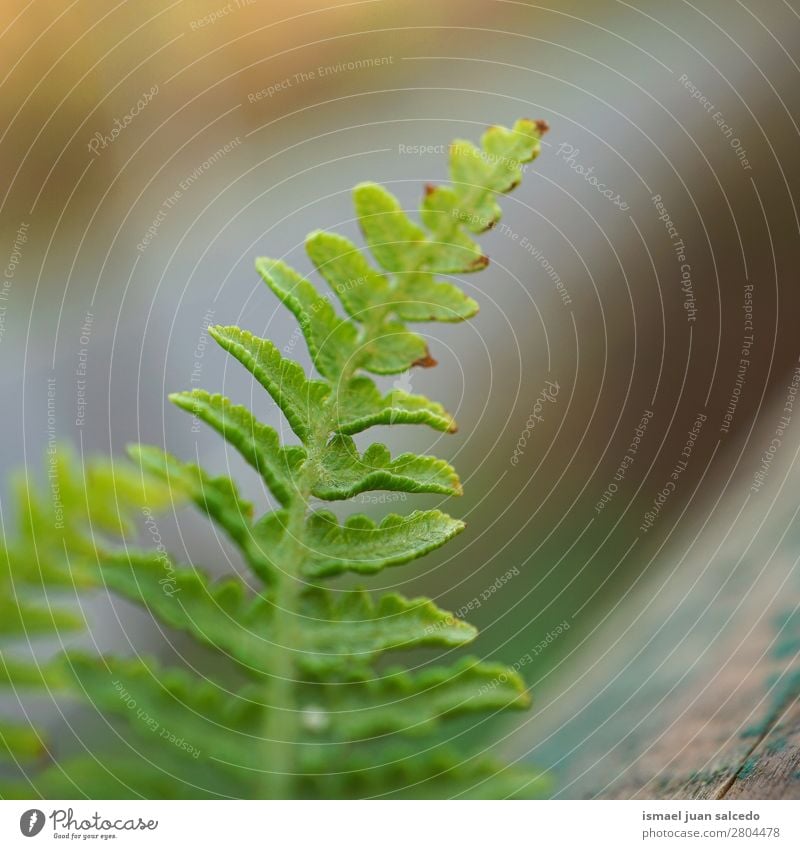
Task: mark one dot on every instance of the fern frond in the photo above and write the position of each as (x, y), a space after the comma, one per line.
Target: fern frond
(302, 684)
(62, 528)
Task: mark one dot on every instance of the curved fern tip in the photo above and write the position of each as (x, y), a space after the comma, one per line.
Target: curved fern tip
(427, 361)
(541, 125)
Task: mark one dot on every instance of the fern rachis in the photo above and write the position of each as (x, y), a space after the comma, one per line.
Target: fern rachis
(308, 714)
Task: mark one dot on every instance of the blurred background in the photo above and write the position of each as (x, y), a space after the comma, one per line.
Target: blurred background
(646, 266)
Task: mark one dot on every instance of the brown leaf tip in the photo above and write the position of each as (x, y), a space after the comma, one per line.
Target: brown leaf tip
(480, 262)
(429, 189)
(425, 362)
(542, 126)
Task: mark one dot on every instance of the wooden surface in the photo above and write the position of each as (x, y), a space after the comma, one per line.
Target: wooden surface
(691, 687)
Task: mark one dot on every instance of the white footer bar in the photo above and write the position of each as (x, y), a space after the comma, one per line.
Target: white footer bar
(401, 825)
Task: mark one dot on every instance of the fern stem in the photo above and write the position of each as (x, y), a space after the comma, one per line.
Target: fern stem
(280, 731)
(282, 728)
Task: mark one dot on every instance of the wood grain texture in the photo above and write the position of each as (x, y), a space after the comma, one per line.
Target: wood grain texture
(690, 689)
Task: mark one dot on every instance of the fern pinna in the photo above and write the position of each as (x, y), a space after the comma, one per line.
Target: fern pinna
(298, 707)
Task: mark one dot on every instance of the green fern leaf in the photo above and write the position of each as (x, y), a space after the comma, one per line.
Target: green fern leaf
(360, 288)
(285, 381)
(332, 341)
(348, 629)
(364, 547)
(403, 702)
(399, 773)
(344, 473)
(256, 442)
(420, 297)
(360, 405)
(220, 614)
(24, 619)
(19, 742)
(364, 292)
(217, 497)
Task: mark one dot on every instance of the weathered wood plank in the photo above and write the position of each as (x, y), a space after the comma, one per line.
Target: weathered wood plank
(772, 770)
(731, 742)
(690, 689)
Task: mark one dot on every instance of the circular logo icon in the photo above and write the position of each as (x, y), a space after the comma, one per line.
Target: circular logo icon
(31, 822)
